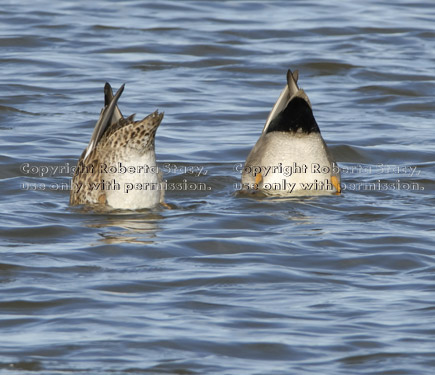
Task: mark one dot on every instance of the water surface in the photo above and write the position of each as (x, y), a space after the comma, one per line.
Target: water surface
(221, 284)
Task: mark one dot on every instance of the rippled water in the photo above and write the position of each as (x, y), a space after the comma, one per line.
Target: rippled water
(221, 284)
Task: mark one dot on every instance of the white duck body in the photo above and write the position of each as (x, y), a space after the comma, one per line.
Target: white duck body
(135, 170)
(290, 157)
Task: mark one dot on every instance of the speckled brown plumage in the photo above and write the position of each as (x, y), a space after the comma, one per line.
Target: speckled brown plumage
(120, 137)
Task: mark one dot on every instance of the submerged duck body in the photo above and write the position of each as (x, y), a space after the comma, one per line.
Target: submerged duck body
(118, 168)
(291, 157)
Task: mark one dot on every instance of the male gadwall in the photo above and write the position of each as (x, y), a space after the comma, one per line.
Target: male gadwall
(291, 157)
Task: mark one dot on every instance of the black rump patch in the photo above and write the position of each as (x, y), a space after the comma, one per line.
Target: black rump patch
(297, 116)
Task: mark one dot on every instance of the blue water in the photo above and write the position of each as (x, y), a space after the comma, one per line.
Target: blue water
(222, 283)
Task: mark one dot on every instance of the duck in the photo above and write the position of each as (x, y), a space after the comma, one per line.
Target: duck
(290, 157)
(118, 167)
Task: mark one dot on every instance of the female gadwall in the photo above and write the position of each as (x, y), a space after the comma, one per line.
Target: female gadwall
(118, 168)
